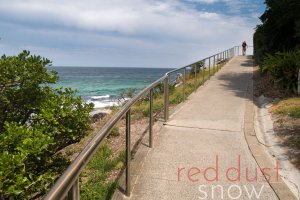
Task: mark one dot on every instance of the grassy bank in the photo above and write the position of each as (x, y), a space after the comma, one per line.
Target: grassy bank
(141, 108)
(285, 115)
(288, 107)
(94, 177)
(287, 124)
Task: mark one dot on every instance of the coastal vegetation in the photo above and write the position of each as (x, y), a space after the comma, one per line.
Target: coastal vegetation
(277, 51)
(286, 115)
(36, 122)
(283, 69)
(96, 185)
(277, 42)
(289, 107)
(42, 129)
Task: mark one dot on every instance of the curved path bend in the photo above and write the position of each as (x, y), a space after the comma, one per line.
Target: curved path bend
(208, 148)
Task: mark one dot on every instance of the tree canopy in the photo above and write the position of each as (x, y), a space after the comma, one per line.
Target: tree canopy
(280, 28)
(36, 122)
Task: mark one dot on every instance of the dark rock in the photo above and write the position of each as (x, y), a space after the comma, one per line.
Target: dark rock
(99, 114)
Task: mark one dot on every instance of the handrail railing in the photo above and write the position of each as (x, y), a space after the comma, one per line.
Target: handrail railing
(68, 183)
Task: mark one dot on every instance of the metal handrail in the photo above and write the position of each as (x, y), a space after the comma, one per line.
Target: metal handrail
(65, 182)
(69, 181)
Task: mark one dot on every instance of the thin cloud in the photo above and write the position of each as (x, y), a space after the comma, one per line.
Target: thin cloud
(204, 1)
(121, 29)
(129, 17)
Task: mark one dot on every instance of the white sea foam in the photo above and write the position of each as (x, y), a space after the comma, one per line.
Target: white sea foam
(101, 104)
(100, 97)
(105, 103)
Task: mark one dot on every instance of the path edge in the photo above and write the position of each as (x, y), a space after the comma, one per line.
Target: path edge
(257, 149)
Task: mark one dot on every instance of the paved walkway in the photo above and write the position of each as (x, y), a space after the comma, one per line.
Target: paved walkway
(198, 153)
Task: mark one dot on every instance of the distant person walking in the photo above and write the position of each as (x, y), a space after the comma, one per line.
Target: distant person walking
(244, 45)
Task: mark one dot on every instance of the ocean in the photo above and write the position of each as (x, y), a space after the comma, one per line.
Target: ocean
(102, 85)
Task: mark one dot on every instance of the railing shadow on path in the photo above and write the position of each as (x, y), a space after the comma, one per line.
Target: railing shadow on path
(233, 80)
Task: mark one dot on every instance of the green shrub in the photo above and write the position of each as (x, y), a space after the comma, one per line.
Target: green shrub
(114, 132)
(297, 144)
(36, 122)
(283, 68)
(279, 31)
(295, 113)
(98, 169)
(157, 106)
(176, 97)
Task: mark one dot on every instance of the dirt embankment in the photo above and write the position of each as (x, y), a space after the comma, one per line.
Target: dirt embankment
(286, 126)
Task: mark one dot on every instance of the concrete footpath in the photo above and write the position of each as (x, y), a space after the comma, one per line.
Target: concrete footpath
(202, 151)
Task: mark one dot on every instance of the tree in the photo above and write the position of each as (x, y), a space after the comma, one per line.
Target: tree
(36, 122)
(280, 28)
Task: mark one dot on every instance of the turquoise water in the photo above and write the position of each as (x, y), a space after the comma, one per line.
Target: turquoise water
(102, 85)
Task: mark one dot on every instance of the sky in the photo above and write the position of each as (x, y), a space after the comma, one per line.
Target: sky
(126, 33)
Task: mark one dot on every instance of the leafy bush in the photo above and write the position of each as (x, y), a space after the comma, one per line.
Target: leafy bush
(283, 68)
(279, 31)
(114, 132)
(36, 121)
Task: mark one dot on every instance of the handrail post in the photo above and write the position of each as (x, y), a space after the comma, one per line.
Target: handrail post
(184, 77)
(195, 68)
(203, 72)
(214, 63)
(166, 98)
(128, 154)
(151, 119)
(209, 66)
(218, 59)
(74, 193)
